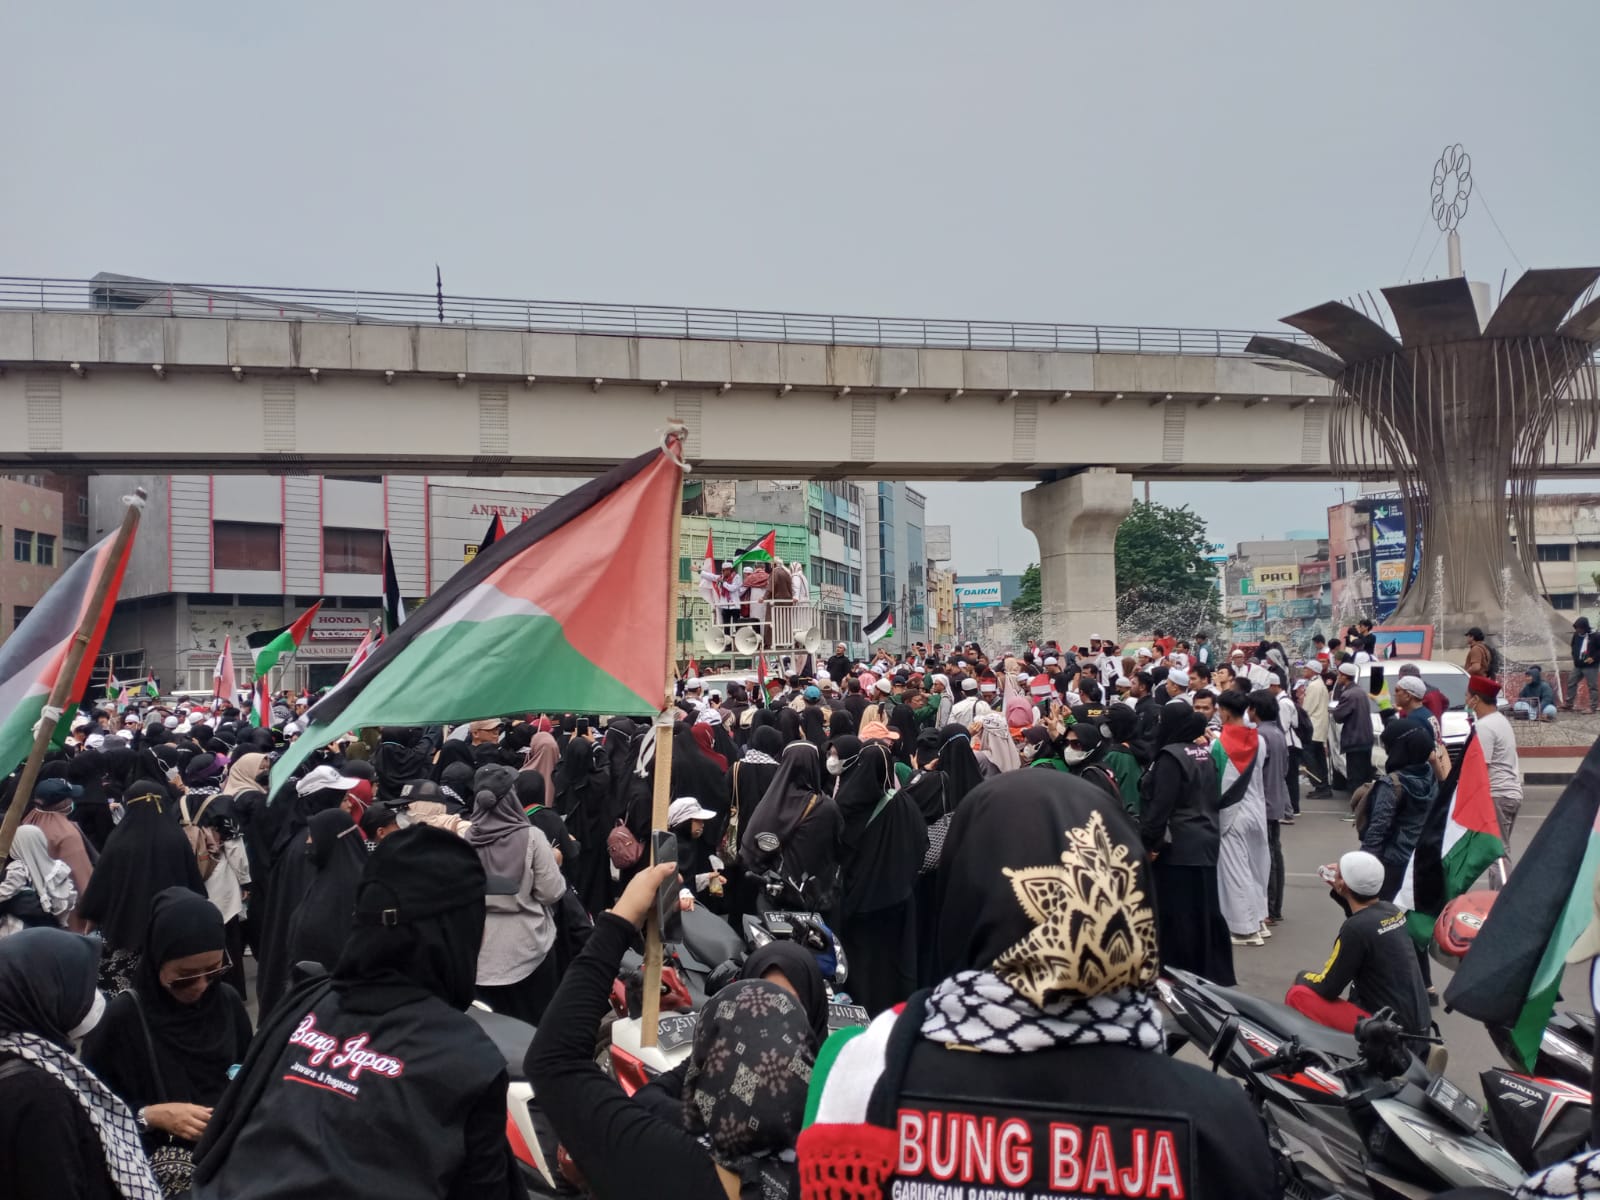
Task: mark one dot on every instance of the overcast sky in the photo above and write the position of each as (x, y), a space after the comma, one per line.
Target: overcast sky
(1166, 163)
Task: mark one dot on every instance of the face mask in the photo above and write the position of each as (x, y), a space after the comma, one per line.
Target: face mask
(834, 765)
(90, 1018)
(1073, 757)
(1030, 752)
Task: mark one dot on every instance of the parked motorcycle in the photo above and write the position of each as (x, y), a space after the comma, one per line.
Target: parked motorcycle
(1351, 1116)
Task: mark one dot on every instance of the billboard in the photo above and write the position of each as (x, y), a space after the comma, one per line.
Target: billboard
(1270, 579)
(1389, 573)
(982, 594)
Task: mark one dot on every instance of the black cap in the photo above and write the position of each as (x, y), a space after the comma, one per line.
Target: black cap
(422, 789)
(377, 816)
(418, 873)
(50, 791)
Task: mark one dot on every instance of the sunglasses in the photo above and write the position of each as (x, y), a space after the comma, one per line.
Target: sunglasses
(188, 981)
(1072, 745)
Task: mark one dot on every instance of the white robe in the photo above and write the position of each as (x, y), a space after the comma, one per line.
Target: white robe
(1243, 860)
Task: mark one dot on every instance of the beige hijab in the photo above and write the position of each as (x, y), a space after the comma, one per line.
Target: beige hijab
(242, 775)
(542, 755)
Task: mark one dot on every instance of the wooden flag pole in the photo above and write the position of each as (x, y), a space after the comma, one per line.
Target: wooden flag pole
(45, 731)
(650, 1008)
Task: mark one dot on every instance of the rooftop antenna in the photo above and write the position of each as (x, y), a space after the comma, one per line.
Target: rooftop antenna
(1452, 188)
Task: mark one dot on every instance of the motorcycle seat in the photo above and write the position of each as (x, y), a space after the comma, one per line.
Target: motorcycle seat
(510, 1036)
(1286, 1022)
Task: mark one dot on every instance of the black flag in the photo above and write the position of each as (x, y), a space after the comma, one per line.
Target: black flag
(497, 530)
(393, 611)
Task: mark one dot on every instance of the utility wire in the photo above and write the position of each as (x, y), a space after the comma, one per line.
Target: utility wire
(1431, 253)
(1415, 242)
(1478, 188)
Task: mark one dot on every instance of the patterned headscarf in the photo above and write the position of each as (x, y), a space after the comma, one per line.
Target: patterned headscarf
(745, 1093)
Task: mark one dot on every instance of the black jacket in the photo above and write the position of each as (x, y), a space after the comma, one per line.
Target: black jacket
(48, 1148)
(1179, 802)
(838, 667)
(1584, 651)
(302, 1120)
(1151, 1110)
(1397, 807)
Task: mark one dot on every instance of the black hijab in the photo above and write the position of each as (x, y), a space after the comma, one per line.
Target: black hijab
(799, 967)
(789, 725)
(695, 774)
(1045, 833)
(47, 982)
(814, 723)
(1175, 721)
(321, 922)
(194, 1045)
(928, 786)
(754, 778)
(959, 764)
(903, 720)
(793, 788)
(882, 841)
(145, 854)
(841, 721)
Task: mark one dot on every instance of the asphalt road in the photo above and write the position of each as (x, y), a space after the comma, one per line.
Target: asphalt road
(1311, 919)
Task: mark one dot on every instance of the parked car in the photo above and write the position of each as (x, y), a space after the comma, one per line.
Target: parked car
(1449, 679)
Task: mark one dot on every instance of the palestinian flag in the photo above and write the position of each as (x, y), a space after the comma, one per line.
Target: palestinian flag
(496, 531)
(150, 688)
(261, 704)
(763, 550)
(32, 658)
(880, 627)
(269, 645)
(222, 678)
(566, 613)
(1512, 973)
(394, 612)
(1234, 753)
(113, 685)
(1460, 840)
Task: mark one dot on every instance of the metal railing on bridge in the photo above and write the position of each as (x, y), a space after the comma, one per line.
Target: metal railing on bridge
(114, 294)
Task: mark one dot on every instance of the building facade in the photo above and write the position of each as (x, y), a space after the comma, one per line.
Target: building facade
(31, 540)
(893, 518)
(1279, 589)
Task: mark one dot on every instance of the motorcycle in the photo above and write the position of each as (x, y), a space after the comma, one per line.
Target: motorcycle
(1354, 1116)
(1542, 1116)
(532, 1140)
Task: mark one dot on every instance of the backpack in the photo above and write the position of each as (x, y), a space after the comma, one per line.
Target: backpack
(622, 846)
(1494, 662)
(206, 843)
(1303, 728)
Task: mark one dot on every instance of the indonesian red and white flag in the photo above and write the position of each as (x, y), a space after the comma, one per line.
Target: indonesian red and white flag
(222, 680)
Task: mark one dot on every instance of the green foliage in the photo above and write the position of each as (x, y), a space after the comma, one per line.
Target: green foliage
(1029, 597)
(1161, 561)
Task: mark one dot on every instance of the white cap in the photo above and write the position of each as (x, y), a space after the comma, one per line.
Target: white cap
(171, 722)
(1095, 637)
(713, 694)
(292, 729)
(95, 740)
(125, 734)
(131, 719)
(1143, 652)
(1311, 666)
(692, 684)
(883, 686)
(727, 566)
(1179, 678)
(1361, 872)
(321, 778)
(969, 684)
(79, 721)
(1052, 661)
(1237, 653)
(709, 716)
(687, 808)
(1122, 681)
(822, 675)
(1410, 683)
(1349, 670)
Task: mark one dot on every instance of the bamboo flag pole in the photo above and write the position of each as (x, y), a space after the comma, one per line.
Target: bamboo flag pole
(650, 1009)
(45, 730)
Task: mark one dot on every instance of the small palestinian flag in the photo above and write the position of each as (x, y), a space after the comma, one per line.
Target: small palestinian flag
(150, 688)
(496, 531)
(1512, 974)
(566, 613)
(880, 627)
(1459, 841)
(763, 550)
(394, 611)
(113, 685)
(269, 645)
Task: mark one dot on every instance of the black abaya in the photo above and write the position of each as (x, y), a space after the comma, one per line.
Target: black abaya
(145, 854)
(322, 921)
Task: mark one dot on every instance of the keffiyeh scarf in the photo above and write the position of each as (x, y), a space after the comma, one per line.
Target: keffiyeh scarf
(980, 1010)
(1576, 1179)
(113, 1122)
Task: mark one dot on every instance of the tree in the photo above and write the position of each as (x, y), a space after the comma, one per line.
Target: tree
(1029, 597)
(1161, 562)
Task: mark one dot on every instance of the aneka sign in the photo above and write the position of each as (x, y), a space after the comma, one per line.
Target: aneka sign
(978, 595)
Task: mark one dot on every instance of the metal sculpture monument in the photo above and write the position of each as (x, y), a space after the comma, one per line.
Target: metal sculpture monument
(1462, 409)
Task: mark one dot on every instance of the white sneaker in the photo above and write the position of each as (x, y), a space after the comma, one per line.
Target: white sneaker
(1264, 932)
(1253, 939)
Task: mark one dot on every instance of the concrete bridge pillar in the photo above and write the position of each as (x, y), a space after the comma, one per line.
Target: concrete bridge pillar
(1075, 521)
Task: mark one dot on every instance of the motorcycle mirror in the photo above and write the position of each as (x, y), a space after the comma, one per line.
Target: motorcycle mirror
(1223, 1045)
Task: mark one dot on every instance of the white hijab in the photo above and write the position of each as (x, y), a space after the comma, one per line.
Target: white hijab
(51, 878)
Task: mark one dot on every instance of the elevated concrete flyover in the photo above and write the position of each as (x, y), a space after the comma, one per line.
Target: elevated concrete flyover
(118, 374)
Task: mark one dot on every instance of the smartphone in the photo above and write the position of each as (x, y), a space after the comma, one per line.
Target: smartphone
(664, 848)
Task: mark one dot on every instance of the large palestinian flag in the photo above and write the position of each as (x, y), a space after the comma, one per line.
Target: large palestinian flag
(566, 613)
(880, 627)
(32, 658)
(269, 645)
(1511, 975)
(763, 550)
(1459, 841)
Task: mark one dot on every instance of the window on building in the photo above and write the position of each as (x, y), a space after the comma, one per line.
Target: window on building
(855, 583)
(44, 549)
(1557, 553)
(685, 629)
(83, 506)
(22, 545)
(1589, 545)
(814, 522)
(852, 537)
(244, 546)
(1562, 601)
(352, 551)
(686, 571)
(1339, 568)
(19, 613)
